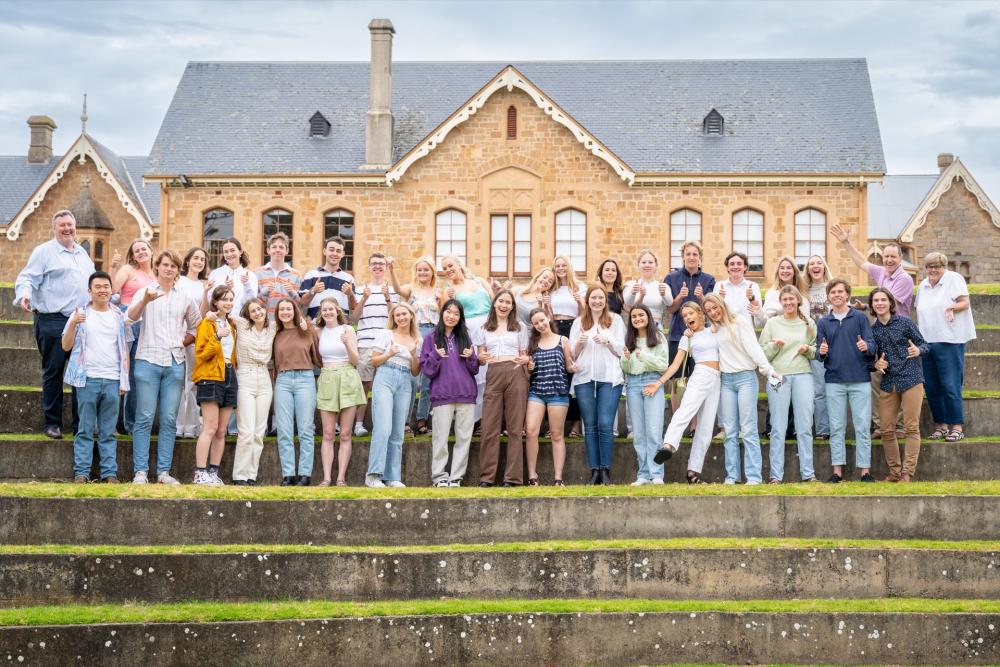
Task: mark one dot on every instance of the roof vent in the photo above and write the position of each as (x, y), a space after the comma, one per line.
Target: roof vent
(319, 126)
(712, 123)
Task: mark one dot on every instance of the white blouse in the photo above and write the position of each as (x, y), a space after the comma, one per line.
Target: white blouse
(501, 343)
(656, 303)
(931, 302)
(597, 363)
(384, 340)
(564, 302)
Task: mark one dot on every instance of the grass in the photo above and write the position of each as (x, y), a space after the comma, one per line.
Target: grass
(506, 547)
(214, 612)
(261, 493)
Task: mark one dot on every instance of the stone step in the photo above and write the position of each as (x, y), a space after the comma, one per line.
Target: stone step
(44, 459)
(252, 574)
(440, 518)
(18, 334)
(512, 636)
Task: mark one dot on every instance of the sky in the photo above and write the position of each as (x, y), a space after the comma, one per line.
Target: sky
(935, 66)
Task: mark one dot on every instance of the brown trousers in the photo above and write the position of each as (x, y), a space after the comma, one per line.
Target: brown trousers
(889, 403)
(505, 401)
(876, 399)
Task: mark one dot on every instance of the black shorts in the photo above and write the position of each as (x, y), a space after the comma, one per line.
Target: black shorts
(689, 363)
(214, 391)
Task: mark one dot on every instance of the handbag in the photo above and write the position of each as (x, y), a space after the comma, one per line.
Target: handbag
(680, 384)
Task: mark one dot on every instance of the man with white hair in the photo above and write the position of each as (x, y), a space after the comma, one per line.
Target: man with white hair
(53, 285)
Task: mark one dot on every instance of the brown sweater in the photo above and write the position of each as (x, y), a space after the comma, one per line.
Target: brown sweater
(295, 352)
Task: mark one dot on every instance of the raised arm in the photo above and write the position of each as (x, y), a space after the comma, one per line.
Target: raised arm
(840, 234)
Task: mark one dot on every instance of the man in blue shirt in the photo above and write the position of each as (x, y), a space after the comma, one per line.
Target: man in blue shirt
(688, 283)
(53, 285)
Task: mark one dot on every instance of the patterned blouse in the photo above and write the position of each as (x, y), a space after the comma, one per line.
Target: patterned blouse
(891, 339)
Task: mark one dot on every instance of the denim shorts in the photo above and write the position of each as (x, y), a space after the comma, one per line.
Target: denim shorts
(214, 391)
(557, 399)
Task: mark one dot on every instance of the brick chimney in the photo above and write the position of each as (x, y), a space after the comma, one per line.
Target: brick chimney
(945, 160)
(378, 119)
(40, 150)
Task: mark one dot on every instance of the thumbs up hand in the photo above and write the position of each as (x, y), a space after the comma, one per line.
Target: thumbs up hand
(824, 348)
(861, 345)
(882, 364)
(912, 351)
(722, 291)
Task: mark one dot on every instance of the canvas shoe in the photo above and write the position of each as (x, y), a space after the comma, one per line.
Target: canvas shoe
(642, 481)
(216, 480)
(657, 481)
(441, 483)
(360, 430)
(140, 477)
(374, 482)
(395, 484)
(455, 482)
(729, 481)
(201, 477)
(166, 478)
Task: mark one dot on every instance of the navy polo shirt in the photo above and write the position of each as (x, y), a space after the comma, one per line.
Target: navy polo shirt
(677, 279)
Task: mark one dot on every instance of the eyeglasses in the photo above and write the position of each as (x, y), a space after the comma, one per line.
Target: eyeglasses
(933, 267)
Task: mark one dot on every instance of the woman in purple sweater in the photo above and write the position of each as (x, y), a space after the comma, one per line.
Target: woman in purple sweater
(449, 360)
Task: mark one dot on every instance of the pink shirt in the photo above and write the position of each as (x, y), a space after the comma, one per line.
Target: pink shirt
(899, 283)
(133, 285)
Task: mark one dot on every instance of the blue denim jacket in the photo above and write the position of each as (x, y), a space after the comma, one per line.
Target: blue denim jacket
(76, 367)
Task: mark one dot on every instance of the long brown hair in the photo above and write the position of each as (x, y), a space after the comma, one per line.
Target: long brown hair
(797, 279)
(794, 291)
(587, 318)
(512, 321)
(296, 318)
(535, 337)
(320, 322)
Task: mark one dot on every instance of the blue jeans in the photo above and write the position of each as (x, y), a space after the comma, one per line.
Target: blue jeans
(422, 383)
(859, 396)
(738, 407)
(598, 403)
(98, 406)
(821, 419)
(797, 389)
(295, 405)
(391, 396)
(155, 384)
(647, 423)
(944, 373)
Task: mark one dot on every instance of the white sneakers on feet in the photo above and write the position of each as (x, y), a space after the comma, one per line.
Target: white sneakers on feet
(360, 430)
(140, 477)
(751, 482)
(455, 482)
(395, 484)
(642, 481)
(216, 480)
(165, 478)
(202, 477)
(729, 481)
(374, 482)
(657, 480)
(441, 483)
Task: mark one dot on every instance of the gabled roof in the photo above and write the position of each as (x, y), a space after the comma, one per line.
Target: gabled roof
(18, 180)
(956, 171)
(782, 116)
(892, 203)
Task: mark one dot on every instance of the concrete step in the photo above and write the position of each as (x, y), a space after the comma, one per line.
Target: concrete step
(440, 518)
(987, 340)
(249, 574)
(17, 334)
(44, 459)
(513, 636)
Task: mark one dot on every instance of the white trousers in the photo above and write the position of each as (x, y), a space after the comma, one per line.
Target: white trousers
(442, 415)
(701, 399)
(253, 401)
(188, 413)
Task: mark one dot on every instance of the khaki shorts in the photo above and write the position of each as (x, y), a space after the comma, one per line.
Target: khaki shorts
(339, 388)
(365, 368)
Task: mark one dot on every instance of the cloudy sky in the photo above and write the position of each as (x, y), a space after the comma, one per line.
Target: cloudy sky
(935, 67)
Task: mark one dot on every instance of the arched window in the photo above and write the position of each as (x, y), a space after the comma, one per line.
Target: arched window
(810, 234)
(278, 220)
(571, 237)
(216, 228)
(685, 225)
(512, 122)
(748, 237)
(450, 235)
(340, 222)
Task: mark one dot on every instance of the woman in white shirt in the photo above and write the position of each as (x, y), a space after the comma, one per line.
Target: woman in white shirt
(740, 357)
(565, 303)
(500, 344)
(648, 289)
(192, 283)
(235, 273)
(817, 275)
(597, 339)
(535, 295)
(944, 315)
(787, 273)
(338, 391)
(254, 344)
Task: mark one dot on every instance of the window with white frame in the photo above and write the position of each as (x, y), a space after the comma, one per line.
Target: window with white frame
(748, 237)
(571, 237)
(510, 244)
(685, 225)
(810, 235)
(450, 235)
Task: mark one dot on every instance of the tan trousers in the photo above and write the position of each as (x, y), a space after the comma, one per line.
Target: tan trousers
(505, 401)
(253, 401)
(889, 403)
(876, 393)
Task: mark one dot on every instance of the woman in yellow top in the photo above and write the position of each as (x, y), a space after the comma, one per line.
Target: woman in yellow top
(214, 377)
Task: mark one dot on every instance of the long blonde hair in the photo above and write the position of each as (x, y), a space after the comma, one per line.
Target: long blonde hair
(530, 289)
(429, 261)
(466, 273)
(827, 274)
(797, 280)
(570, 274)
(391, 323)
(794, 291)
(729, 320)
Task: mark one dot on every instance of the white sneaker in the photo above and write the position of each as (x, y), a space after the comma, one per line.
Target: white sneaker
(657, 481)
(642, 481)
(360, 430)
(201, 477)
(395, 484)
(216, 480)
(374, 482)
(751, 482)
(729, 481)
(441, 483)
(455, 482)
(165, 478)
(140, 477)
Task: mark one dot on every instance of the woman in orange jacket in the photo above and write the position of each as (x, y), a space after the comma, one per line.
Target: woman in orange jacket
(214, 377)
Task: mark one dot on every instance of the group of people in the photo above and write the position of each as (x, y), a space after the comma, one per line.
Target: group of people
(199, 346)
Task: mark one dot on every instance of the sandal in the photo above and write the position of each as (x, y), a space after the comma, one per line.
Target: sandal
(954, 435)
(532, 481)
(325, 482)
(694, 478)
(421, 427)
(938, 434)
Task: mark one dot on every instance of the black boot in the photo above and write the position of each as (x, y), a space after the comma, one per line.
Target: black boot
(288, 481)
(303, 480)
(605, 477)
(595, 476)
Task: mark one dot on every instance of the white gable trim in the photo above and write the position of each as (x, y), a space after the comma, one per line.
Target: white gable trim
(955, 171)
(510, 78)
(80, 151)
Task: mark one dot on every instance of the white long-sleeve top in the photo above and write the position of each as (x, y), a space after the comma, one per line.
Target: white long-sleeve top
(599, 362)
(772, 306)
(743, 354)
(652, 300)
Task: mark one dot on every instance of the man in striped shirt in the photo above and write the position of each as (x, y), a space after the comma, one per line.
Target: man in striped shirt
(371, 313)
(277, 280)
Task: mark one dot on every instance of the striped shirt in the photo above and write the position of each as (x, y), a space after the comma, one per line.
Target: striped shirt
(549, 377)
(273, 286)
(374, 314)
(165, 322)
(253, 348)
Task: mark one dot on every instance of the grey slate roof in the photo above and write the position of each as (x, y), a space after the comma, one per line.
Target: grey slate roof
(136, 166)
(891, 204)
(798, 116)
(18, 180)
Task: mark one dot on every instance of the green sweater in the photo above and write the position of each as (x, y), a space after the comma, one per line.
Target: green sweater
(786, 360)
(643, 360)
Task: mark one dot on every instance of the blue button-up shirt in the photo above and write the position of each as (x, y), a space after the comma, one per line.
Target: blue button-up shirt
(55, 278)
(677, 279)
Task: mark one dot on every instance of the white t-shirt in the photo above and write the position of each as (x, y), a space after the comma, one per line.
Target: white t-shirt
(564, 303)
(227, 342)
(100, 352)
(242, 292)
(702, 346)
(331, 348)
(501, 343)
(931, 302)
(656, 303)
